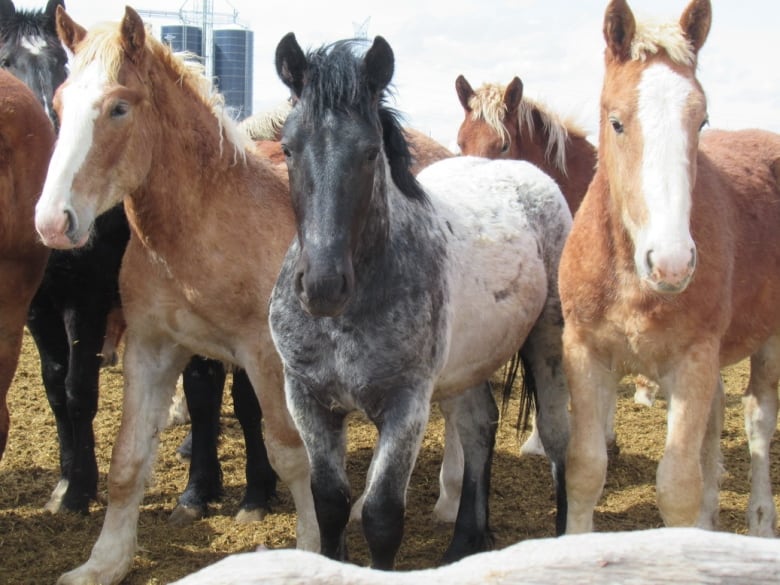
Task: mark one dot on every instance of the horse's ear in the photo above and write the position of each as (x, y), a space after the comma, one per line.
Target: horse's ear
(378, 64)
(512, 95)
(464, 91)
(50, 12)
(695, 22)
(619, 29)
(70, 32)
(7, 9)
(133, 35)
(291, 64)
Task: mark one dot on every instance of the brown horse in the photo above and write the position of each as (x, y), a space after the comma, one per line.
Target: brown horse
(500, 122)
(671, 270)
(26, 141)
(210, 223)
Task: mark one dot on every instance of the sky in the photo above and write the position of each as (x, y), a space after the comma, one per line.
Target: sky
(555, 46)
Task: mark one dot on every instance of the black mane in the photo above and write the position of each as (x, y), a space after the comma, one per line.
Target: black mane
(335, 80)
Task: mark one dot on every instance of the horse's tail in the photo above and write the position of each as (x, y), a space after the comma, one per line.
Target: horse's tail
(528, 391)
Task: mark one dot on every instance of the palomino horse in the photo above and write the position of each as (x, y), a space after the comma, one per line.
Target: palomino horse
(26, 141)
(77, 305)
(139, 125)
(396, 292)
(670, 270)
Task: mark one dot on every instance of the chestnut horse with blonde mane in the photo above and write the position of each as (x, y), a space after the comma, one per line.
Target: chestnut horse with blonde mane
(500, 122)
(26, 141)
(670, 270)
(139, 125)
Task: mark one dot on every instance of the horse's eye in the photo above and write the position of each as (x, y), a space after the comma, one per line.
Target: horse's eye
(121, 108)
(5, 63)
(372, 154)
(286, 151)
(504, 148)
(617, 126)
(704, 123)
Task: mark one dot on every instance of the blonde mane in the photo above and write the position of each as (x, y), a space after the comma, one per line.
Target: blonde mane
(266, 125)
(103, 45)
(487, 104)
(651, 37)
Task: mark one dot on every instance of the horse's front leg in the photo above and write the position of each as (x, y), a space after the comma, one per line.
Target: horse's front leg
(690, 387)
(150, 370)
(323, 432)
(451, 473)
(591, 387)
(401, 423)
(760, 402)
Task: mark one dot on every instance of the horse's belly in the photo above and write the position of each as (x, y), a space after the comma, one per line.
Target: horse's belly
(494, 310)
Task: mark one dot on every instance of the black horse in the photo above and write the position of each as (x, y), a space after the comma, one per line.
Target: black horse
(68, 317)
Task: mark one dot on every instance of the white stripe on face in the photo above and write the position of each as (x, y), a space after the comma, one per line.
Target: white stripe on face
(80, 108)
(663, 97)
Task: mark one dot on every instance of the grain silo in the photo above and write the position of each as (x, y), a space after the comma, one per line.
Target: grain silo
(182, 38)
(233, 48)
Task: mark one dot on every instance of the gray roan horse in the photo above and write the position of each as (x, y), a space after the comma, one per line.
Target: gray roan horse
(396, 293)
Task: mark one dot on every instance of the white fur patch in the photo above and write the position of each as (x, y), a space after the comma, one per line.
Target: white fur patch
(663, 98)
(80, 99)
(35, 45)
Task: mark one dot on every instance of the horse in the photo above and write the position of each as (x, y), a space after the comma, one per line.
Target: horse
(199, 295)
(669, 270)
(26, 141)
(499, 121)
(397, 292)
(76, 322)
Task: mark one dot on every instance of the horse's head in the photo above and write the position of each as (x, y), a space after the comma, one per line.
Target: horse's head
(489, 128)
(31, 51)
(337, 140)
(106, 141)
(652, 110)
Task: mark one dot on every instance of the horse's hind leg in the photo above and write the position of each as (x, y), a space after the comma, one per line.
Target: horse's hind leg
(203, 382)
(476, 419)
(761, 403)
(543, 377)
(260, 476)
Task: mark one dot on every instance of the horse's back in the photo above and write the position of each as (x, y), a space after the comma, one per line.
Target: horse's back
(745, 168)
(505, 222)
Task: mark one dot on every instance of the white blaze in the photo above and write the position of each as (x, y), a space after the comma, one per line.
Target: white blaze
(665, 179)
(80, 108)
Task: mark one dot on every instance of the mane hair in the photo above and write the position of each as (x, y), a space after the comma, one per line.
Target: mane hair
(266, 125)
(103, 44)
(25, 24)
(651, 37)
(487, 104)
(335, 81)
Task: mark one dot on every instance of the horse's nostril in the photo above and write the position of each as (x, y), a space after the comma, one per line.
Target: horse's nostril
(70, 221)
(298, 282)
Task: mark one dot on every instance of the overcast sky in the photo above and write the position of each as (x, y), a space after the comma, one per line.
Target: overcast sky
(554, 46)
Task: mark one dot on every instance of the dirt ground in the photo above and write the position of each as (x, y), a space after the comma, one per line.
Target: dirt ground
(36, 546)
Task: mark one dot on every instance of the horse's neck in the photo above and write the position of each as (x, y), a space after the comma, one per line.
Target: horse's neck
(580, 163)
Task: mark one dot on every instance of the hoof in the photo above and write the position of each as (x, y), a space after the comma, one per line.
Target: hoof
(247, 515)
(185, 515)
(109, 360)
